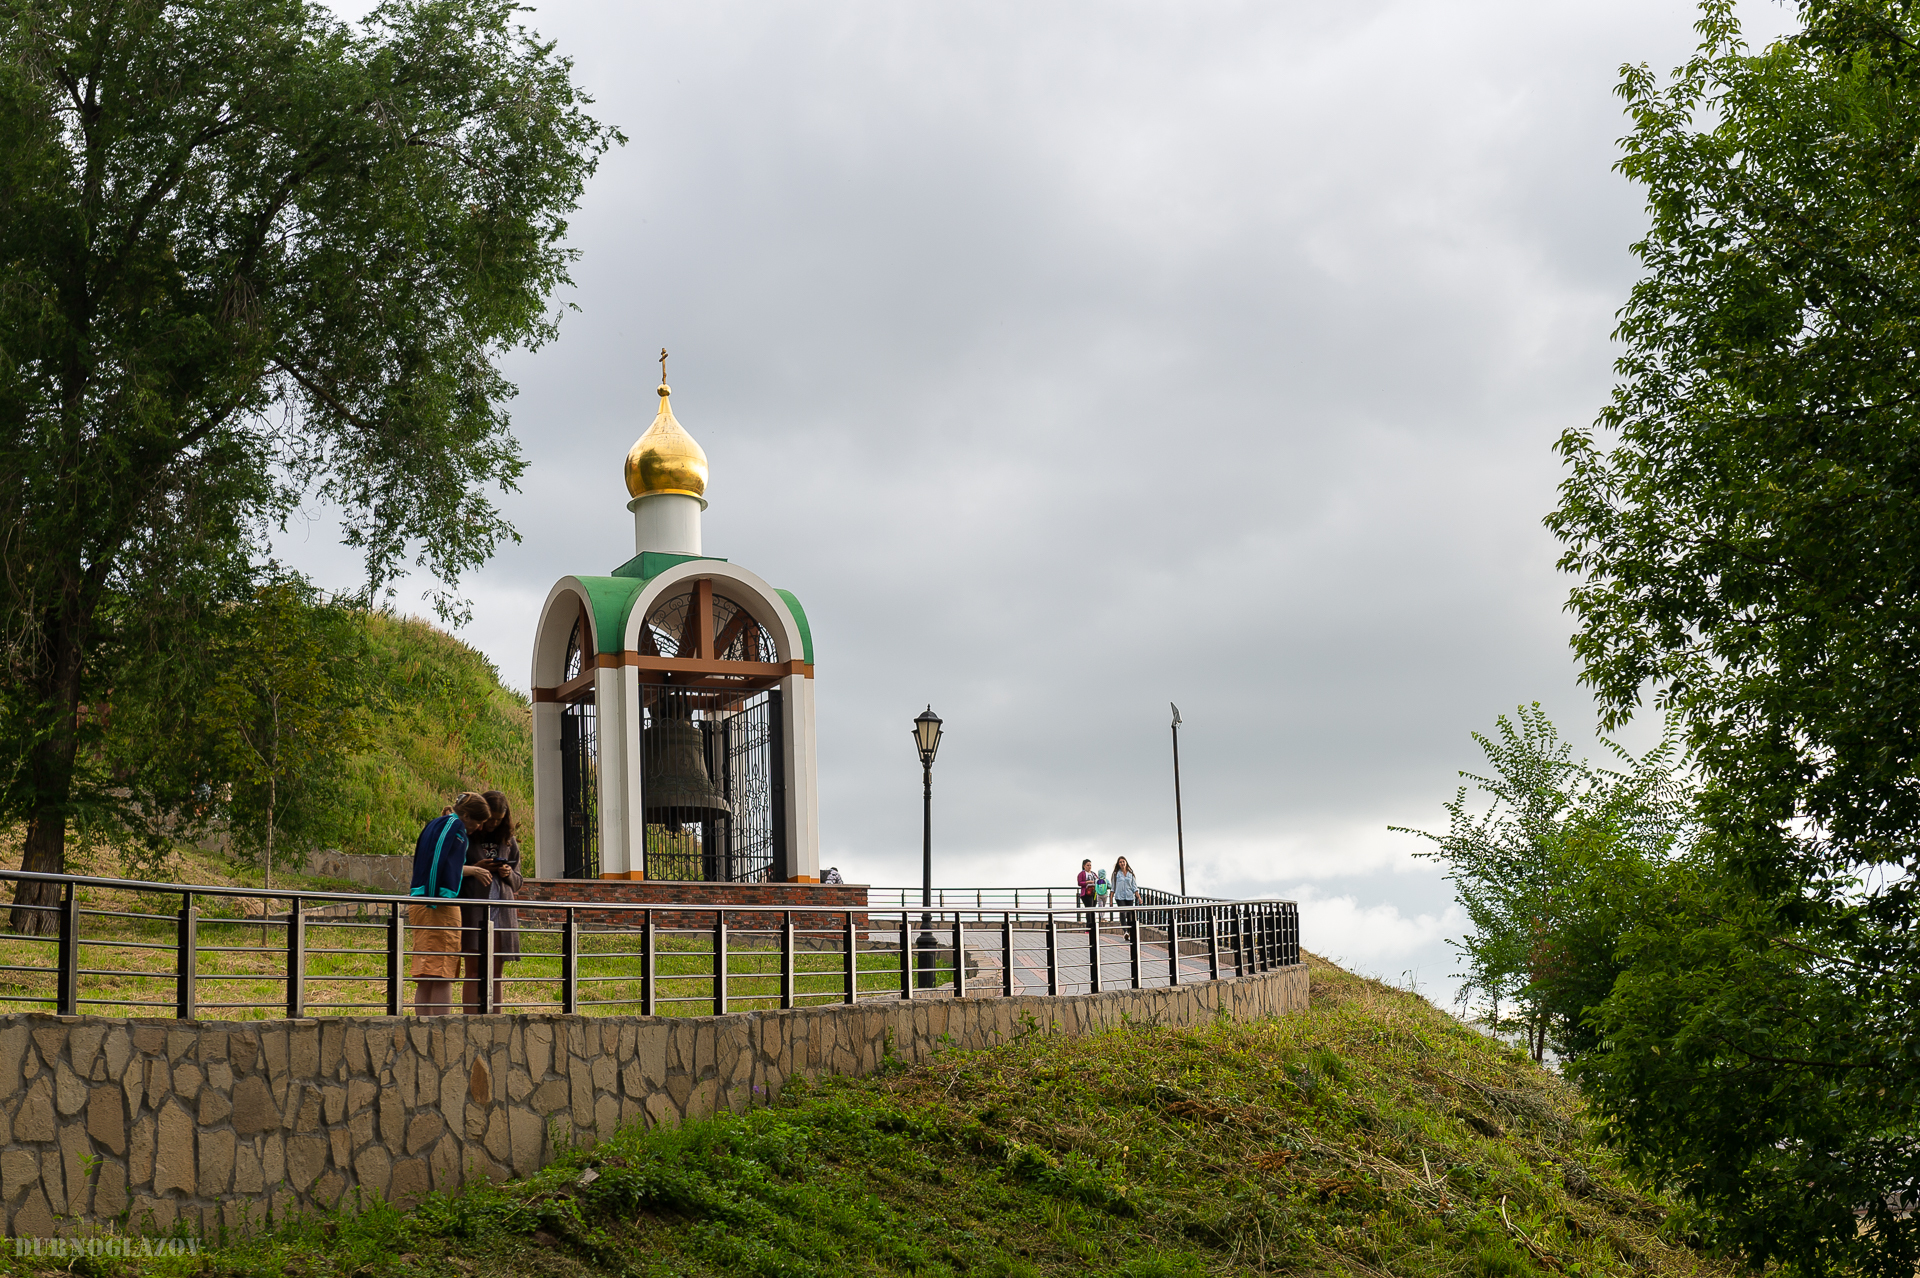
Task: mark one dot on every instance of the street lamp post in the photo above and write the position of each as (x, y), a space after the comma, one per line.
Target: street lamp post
(1179, 831)
(926, 737)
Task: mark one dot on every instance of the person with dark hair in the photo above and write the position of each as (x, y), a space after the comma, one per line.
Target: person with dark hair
(1087, 885)
(494, 849)
(440, 870)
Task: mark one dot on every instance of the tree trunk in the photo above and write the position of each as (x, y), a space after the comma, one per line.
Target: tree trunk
(49, 765)
(273, 794)
(45, 853)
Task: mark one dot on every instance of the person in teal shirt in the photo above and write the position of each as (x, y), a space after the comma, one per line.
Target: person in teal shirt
(433, 923)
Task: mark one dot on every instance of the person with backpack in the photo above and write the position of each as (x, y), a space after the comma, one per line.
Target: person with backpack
(493, 848)
(439, 869)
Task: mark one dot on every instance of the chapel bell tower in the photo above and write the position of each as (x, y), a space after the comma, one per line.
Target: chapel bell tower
(673, 729)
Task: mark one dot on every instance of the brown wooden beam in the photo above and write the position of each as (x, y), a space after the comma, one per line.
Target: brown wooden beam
(694, 665)
(703, 623)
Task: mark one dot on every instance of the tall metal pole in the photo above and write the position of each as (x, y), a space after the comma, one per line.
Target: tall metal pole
(926, 732)
(1179, 829)
(925, 943)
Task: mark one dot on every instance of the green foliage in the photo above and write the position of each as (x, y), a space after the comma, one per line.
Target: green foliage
(1745, 521)
(1549, 872)
(381, 720)
(290, 702)
(251, 255)
(1418, 1148)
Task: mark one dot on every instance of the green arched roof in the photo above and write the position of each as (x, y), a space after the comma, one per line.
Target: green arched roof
(612, 597)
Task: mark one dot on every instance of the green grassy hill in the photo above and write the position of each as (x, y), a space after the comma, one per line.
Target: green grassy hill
(1371, 1135)
(447, 724)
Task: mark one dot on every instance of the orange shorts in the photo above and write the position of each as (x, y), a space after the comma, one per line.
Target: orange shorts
(433, 934)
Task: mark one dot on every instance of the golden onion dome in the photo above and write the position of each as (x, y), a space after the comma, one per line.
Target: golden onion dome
(666, 459)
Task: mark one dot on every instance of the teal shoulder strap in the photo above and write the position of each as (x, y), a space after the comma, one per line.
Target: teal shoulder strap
(433, 871)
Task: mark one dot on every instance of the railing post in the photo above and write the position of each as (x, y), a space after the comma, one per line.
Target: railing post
(786, 962)
(959, 955)
(1053, 954)
(719, 962)
(649, 982)
(853, 960)
(570, 963)
(186, 959)
(487, 944)
(67, 987)
(1006, 954)
(396, 959)
(906, 958)
(296, 961)
(1266, 938)
(1213, 942)
(1133, 945)
(1093, 951)
(1173, 947)
(1239, 940)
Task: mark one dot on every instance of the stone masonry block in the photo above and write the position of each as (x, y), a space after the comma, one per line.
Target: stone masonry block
(216, 1163)
(140, 1151)
(306, 1158)
(51, 1042)
(243, 1050)
(83, 1042)
(527, 1136)
(107, 1118)
(13, 1048)
(34, 1120)
(253, 1107)
(19, 1171)
(247, 1175)
(214, 1107)
(423, 1130)
(303, 1051)
(110, 1191)
(173, 1152)
(69, 1090)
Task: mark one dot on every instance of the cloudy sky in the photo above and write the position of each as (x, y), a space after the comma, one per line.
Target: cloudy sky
(1070, 359)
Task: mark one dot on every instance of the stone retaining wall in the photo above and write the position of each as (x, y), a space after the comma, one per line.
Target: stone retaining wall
(204, 1125)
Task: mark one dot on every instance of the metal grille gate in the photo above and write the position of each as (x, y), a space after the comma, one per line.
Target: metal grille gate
(712, 784)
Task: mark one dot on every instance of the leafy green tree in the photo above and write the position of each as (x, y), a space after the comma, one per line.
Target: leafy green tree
(1547, 872)
(290, 705)
(1745, 521)
(250, 255)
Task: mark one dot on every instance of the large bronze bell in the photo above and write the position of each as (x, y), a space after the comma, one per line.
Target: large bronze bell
(674, 783)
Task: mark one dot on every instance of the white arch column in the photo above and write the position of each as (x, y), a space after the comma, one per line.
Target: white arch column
(803, 784)
(612, 765)
(549, 832)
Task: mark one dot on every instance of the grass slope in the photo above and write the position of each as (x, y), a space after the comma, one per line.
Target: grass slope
(446, 724)
(1370, 1135)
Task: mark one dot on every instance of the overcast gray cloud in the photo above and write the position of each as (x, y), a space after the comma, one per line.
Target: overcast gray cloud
(1070, 359)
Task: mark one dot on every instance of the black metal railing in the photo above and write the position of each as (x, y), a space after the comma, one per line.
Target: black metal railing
(121, 947)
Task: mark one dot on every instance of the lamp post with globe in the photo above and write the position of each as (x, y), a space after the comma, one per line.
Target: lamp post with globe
(926, 738)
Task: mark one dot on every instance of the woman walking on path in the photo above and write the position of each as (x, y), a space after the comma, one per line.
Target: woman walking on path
(1124, 884)
(440, 869)
(494, 849)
